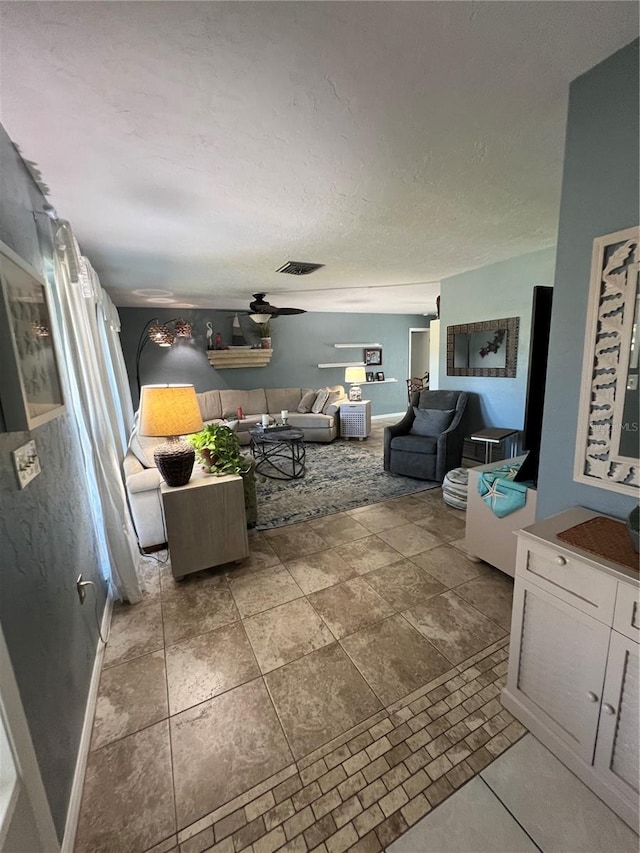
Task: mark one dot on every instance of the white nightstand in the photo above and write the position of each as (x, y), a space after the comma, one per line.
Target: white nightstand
(355, 419)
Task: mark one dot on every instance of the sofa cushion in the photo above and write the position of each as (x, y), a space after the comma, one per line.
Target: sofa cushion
(282, 398)
(334, 395)
(415, 443)
(308, 399)
(252, 402)
(210, 406)
(320, 401)
(431, 421)
(143, 446)
(310, 421)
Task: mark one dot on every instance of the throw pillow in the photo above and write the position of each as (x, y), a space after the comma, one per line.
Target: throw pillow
(431, 421)
(308, 399)
(321, 400)
(331, 399)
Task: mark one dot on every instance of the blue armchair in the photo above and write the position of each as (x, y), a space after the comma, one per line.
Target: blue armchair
(410, 450)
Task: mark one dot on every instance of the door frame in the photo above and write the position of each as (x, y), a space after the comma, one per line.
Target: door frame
(411, 331)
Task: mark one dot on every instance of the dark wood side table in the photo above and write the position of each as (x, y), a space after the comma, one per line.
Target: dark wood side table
(496, 435)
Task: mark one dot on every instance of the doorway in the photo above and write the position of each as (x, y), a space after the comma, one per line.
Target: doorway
(418, 353)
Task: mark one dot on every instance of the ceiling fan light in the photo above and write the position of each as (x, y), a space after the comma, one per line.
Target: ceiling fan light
(261, 318)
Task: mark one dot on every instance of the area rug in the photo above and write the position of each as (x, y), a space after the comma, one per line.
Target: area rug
(339, 476)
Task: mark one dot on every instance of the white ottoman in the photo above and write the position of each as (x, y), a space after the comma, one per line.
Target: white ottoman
(454, 488)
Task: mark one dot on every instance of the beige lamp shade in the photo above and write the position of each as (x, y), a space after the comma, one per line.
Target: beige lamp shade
(169, 410)
(355, 375)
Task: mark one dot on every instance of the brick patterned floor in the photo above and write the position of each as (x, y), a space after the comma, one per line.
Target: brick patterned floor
(363, 790)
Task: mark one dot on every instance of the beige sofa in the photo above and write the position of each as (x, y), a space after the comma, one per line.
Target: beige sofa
(142, 478)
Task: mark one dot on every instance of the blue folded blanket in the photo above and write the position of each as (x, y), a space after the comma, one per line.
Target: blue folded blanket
(500, 493)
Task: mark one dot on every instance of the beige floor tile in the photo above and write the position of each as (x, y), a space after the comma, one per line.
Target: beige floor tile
(261, 554)
(262, 590)
(411, 507)
(491, 594)
(431, 496)
(195, 609)
(205, 666)
(127, 803)
(338, 528)
(132, 696)
(285, 633)
(350, 606)
(449, 565)
(294, 540)
(443, 525)
(320, 570)
(454, 627)
(409, 539)
(214, 578)
(149, 577)
(404, 584)
(394, 658)
(223, 747)
(378, 517)
(367, 554)
(136, 629)
(318, 697)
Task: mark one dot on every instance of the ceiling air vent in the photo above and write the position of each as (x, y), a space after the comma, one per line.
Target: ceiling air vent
(299, 268)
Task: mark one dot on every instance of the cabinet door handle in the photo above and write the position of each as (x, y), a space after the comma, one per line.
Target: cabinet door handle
(561, 561)
(591, 696)
(608, 709)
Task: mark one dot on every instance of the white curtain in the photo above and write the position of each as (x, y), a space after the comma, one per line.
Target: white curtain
(101, 403)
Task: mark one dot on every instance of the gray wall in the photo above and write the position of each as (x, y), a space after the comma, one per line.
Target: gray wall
(300, 343)
(599, 196)
(46, 539)
(491, 293)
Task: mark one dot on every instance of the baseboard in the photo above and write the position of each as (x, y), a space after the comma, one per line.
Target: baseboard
(73, 810)
(389, 415)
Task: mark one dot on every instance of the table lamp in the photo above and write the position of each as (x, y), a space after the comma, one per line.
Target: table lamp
(171, 411)
(354, 376)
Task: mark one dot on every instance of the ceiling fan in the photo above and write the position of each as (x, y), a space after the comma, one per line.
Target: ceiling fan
(261, 311)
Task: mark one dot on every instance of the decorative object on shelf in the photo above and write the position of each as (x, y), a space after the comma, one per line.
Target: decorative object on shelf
(237, 337)
(499, 492)
(171, 411)
(488, 348)
(438, 306)
(370, 376)
(30, 386)
(209, 335)
(218, 450)
(163, 335)
(265, 335)
(372, 355)
(380, 376)
(355, 376)
(607, 436)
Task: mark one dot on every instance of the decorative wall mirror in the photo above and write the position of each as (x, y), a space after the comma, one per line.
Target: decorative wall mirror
(607, 448)
(488, 348)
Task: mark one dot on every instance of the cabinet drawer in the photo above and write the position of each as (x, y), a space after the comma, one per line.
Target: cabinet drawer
(626, 618)
(568, 579)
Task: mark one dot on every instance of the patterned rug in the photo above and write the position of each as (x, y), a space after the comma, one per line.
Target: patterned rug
(338, 476)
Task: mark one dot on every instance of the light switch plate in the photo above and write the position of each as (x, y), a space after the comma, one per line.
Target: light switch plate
(27, 463)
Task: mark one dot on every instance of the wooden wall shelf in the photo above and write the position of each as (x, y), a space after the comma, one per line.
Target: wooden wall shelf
(223, 359)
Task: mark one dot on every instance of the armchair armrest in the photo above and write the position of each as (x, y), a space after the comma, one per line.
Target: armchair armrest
(450, 442)
(390, 432)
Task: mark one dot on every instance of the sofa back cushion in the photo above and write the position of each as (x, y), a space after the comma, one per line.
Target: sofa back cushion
(283, 398)
(252, 402)
(307, 401)
(210, 406)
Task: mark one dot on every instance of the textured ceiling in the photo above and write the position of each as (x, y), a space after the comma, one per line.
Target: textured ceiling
(196, 147)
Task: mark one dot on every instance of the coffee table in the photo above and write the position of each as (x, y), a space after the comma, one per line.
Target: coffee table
(279, 453)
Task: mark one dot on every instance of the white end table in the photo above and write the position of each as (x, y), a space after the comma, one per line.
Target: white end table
(355, 419)
(206, 522)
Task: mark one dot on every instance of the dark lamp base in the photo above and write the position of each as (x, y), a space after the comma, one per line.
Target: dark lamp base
(174, 460)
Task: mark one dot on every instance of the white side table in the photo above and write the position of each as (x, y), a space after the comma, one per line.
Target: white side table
(355, 419)
(206, 523)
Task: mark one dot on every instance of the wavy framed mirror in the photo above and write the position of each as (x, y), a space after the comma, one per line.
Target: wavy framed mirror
(607, 436)
(487, 348)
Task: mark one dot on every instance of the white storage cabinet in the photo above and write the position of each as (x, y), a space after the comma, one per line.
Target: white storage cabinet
(573, 660)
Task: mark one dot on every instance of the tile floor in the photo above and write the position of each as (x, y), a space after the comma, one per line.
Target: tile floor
(325, 694)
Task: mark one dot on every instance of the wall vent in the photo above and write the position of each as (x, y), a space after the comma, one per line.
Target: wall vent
(299, 268)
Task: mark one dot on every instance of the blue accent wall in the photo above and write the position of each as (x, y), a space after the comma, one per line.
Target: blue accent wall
(299, 342)
(599, 196)
(46, 539)
(490, 293)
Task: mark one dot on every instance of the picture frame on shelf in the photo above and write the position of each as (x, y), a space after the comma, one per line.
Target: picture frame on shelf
(370, 376)
(30, 383)
(379, 376)
(372, 356)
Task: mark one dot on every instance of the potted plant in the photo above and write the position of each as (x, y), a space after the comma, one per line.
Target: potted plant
(265, 335)
(218, 450)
